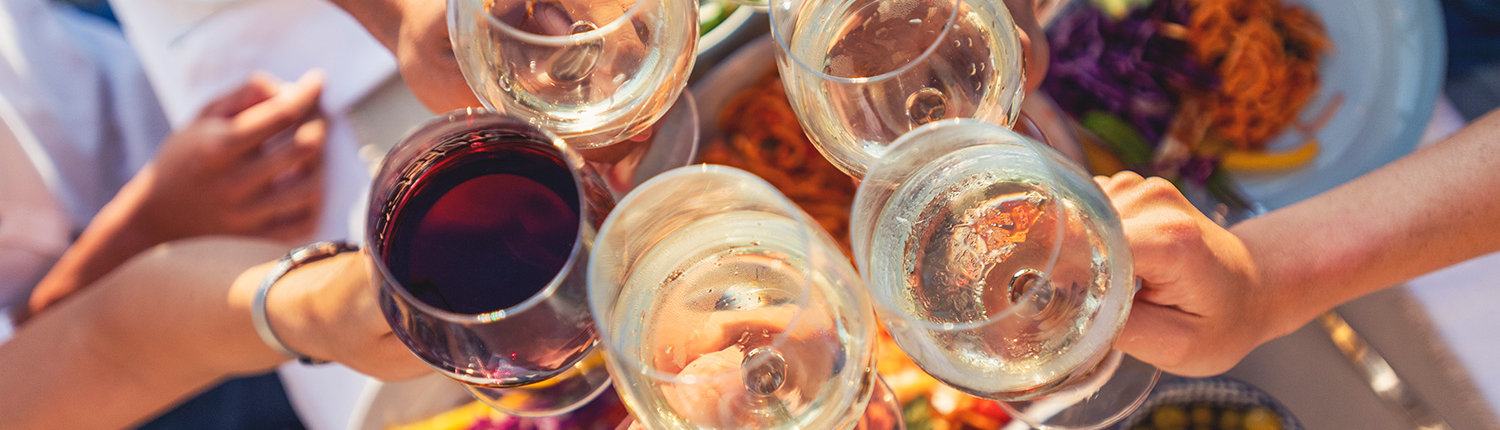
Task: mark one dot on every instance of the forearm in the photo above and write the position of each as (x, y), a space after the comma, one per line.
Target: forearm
(1423, 212)
(164, 326)
(382, 18)
(110, 239)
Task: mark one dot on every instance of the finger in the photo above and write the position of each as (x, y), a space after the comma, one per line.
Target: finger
(258, 88)
(293, 228)
(1160, 244)
(303, 156)
(1034, 47)
(1156, 335)
(290, 106)
(290, 203)
(390, 360)
(1121, 181)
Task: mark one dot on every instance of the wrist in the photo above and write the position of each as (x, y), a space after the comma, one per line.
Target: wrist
(382, 18)
(1290, 299)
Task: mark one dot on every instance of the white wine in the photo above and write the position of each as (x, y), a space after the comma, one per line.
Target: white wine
(734, 329)
(593, 72)
(881, 68)
(1006, 276)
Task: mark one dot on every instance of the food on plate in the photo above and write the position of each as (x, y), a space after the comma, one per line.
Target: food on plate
(603, 413)
(1209, 416)
(712, 13)
(760, 134)
(1202, 83)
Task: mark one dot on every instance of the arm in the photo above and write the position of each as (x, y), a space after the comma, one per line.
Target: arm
(216, 176)
(177, 319)
(1429, 210)
(416, 31)
(1212, 295)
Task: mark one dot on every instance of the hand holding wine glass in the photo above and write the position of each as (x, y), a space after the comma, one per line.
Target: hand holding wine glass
(862, 73)
(1002, 270)
(592, 72)
(722, 305)
(480, 228)
(1203, 306)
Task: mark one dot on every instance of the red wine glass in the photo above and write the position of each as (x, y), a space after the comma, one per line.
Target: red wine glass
(480, 226)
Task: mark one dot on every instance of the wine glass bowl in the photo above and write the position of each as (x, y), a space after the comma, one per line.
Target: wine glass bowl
(592, 72)
(722, 305)
(861, 73)
(999, 266)
(479, 227)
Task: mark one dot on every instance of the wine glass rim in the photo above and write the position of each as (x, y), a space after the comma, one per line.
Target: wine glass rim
(880, 297)
(466, 119)
(781, 42)
(606, 334)
(568, 40)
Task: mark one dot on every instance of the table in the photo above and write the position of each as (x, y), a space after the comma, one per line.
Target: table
(1304, 369)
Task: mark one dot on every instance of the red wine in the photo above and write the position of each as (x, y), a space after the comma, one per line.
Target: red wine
(485, 227)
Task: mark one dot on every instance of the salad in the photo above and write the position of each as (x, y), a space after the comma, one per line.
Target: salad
(1181, 88)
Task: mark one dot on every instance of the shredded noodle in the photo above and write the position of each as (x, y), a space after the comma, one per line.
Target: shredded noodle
(1267, 53)
(761, 135)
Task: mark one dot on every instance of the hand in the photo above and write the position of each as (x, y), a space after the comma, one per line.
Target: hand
(1033, 41)
(250, 165)
(330, 310)
(712, 349)
(416, 31)
(1202, 308)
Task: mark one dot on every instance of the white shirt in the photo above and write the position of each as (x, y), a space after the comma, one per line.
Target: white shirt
(78, 120)
(195, 50)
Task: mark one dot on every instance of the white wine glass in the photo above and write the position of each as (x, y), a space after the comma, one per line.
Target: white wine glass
(860, 73)
(723, 306)
(593, 72)
(1002, 270)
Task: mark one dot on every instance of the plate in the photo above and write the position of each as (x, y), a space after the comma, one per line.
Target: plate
(742, 25)
(747, 65)
(384, 404)
(1217, 391)
(1387, 63)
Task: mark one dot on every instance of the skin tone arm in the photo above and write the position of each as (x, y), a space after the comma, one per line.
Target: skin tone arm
(1212, 295)
(416, 31)
(218, 175)
(176, 320)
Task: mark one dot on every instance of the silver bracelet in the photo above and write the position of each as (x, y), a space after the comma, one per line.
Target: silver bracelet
(297, 258)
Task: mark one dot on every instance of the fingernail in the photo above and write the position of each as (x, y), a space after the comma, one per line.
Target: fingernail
(314, 76)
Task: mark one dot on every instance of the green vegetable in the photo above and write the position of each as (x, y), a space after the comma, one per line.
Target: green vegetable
(711, 14)
(1118, 8)
(1120, 136)
(1169, 418)
(1260, 418)
(917, 414)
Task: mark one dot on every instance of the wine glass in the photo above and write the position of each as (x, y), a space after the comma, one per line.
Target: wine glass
(479, 226)
(593, 72)
(861, 73)
(723, 305)
(670, 143)
(1001, 268)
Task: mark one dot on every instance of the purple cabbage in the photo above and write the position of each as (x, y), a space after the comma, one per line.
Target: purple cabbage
(1125, 67)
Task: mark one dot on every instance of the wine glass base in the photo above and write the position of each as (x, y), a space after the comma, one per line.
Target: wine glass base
(561, 394)
(670, 143)
(1104, 396)
(884, 410)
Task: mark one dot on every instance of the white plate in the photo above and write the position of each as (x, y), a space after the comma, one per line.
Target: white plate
(384, 404)
(1388, 62)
